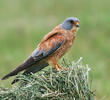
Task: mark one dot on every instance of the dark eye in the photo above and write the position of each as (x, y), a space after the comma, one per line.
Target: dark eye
(71, 21)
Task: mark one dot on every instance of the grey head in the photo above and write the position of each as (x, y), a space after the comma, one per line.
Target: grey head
(70, 22)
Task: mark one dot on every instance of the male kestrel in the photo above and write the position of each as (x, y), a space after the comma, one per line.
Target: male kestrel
(51, 48)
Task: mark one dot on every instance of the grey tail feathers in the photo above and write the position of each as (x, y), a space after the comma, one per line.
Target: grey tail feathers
(29, 62)
(32, 70)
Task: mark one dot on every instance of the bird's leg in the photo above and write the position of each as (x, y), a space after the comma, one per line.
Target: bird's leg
(54, 63)
(57, 66)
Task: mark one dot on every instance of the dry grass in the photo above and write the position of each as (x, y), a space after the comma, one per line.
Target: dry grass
(72, 84)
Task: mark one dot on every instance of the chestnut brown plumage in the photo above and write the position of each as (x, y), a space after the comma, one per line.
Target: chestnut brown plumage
(52, 47)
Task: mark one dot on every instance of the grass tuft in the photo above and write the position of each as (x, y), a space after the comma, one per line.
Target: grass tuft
(72, 84)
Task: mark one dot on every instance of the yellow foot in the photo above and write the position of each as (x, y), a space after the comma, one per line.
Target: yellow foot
(58, 67)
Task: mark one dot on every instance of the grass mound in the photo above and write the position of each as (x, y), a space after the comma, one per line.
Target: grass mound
(72, 84)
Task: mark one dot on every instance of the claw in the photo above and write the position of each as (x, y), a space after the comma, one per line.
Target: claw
(58, 67)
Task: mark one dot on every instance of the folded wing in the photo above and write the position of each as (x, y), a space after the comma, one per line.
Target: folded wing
(46, 48)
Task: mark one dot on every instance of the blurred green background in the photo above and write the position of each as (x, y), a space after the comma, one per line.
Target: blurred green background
(23, 23)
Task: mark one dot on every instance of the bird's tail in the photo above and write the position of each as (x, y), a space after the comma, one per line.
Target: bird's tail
(21, 67)
(32, 70)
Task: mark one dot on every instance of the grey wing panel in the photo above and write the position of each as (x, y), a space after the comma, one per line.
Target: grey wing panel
(41, 54)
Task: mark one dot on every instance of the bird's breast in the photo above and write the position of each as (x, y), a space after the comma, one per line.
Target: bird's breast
(63, 49)
(66, 47)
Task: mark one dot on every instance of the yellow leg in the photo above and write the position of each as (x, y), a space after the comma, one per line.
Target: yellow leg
(57, 66)
(54, 63)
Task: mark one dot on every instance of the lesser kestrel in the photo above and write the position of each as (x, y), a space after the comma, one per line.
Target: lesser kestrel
(51, 48)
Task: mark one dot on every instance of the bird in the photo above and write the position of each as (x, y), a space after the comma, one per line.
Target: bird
(52, 47)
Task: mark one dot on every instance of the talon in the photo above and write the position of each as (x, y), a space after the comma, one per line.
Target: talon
(58, 67)
(64, 68)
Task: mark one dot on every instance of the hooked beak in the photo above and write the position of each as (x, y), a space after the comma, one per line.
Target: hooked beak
(77, 25)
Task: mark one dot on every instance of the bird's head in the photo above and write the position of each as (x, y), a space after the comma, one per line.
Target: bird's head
(71, 23)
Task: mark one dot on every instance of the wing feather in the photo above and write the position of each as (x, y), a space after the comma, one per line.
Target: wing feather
(50, 46)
